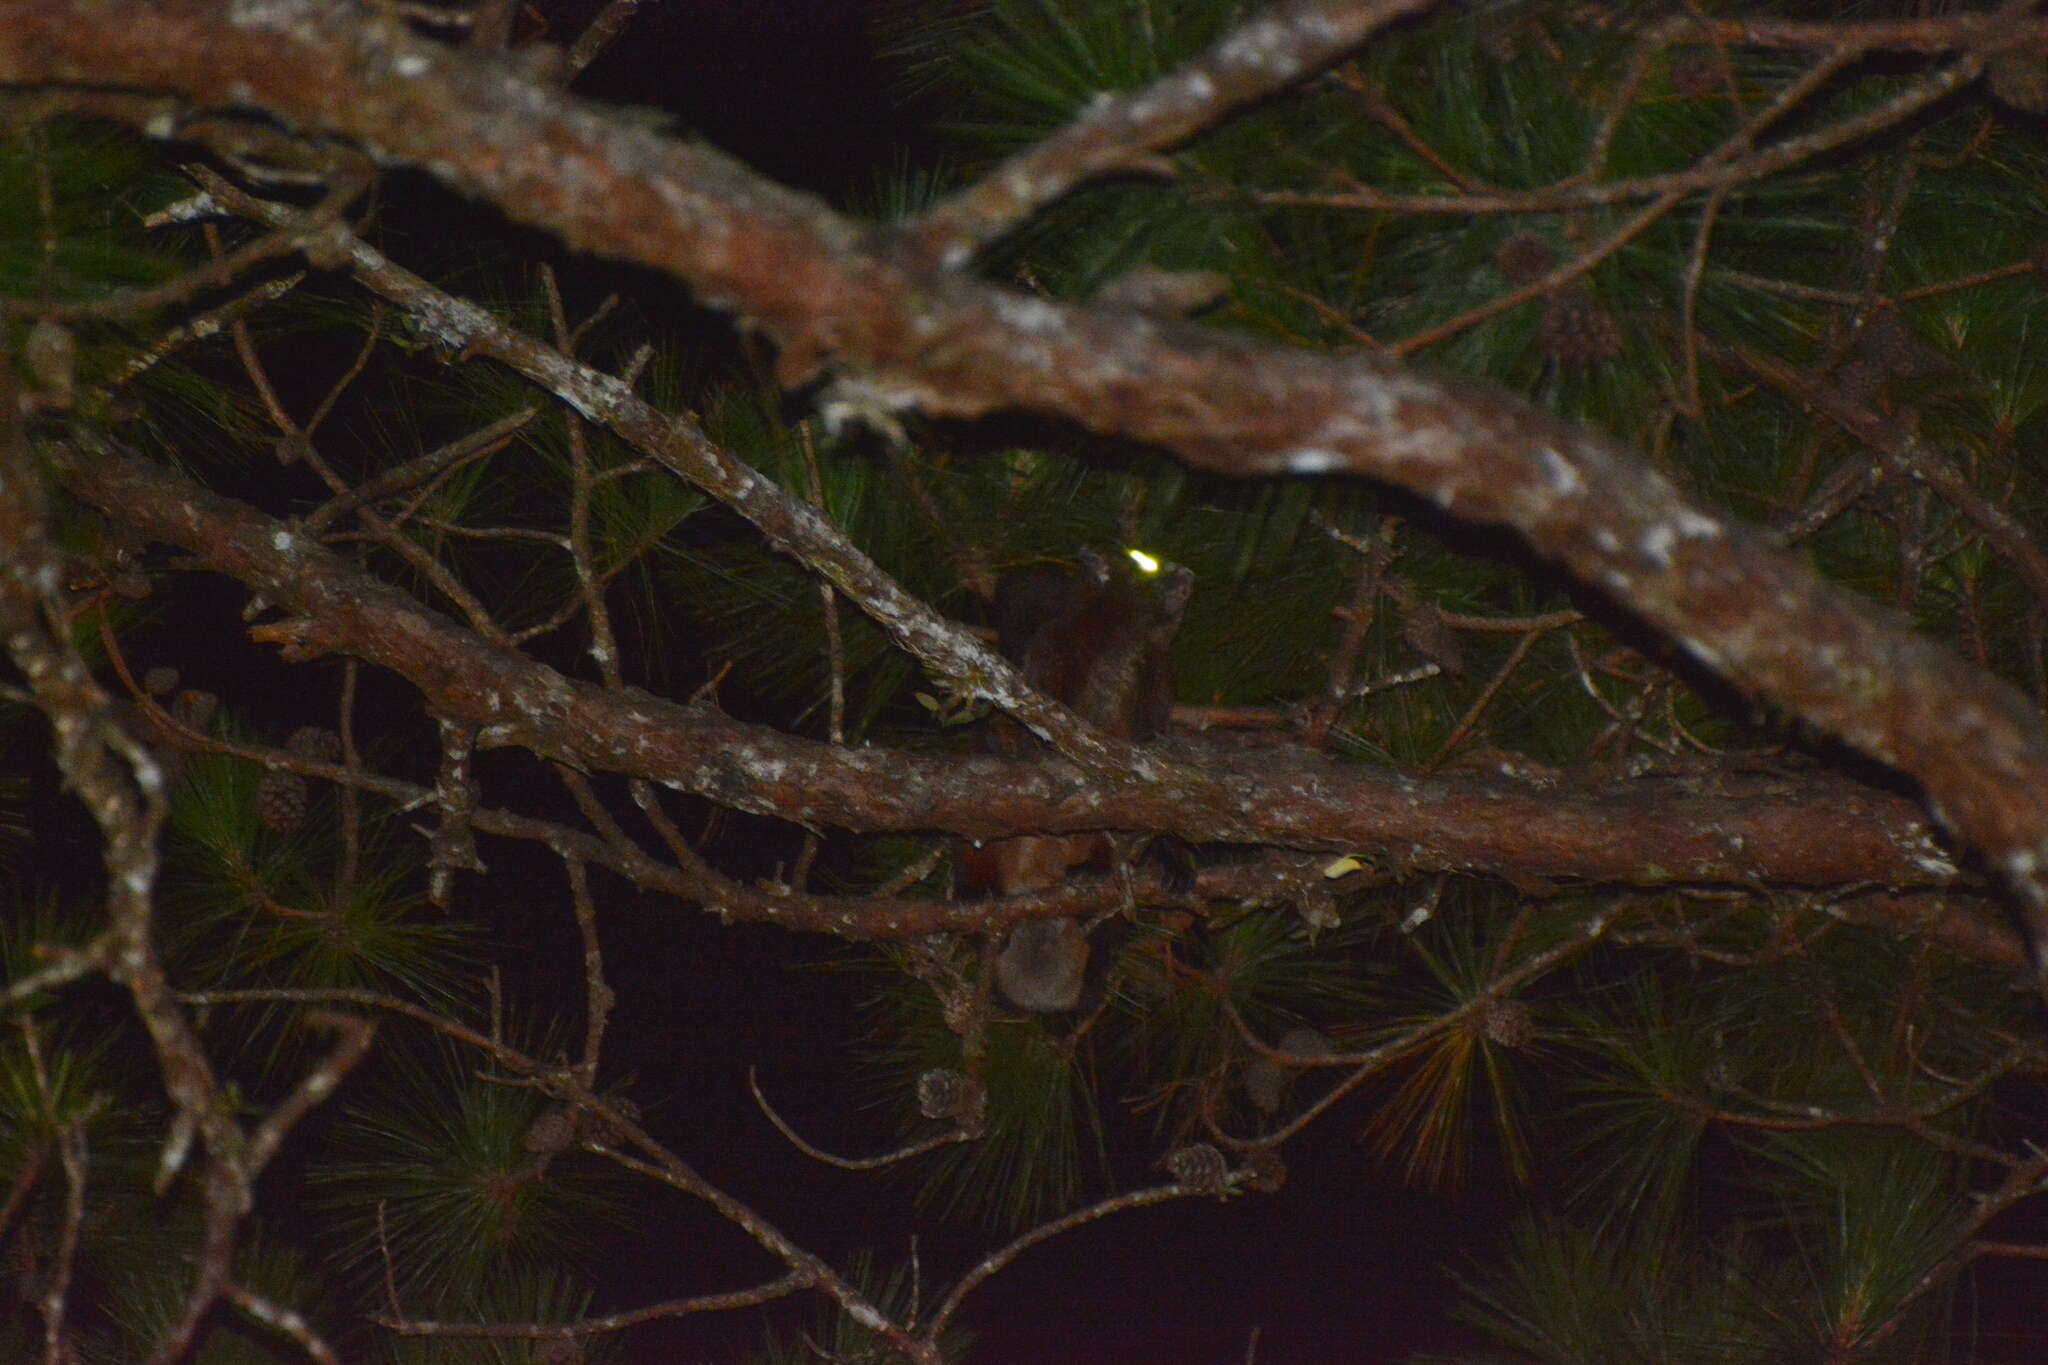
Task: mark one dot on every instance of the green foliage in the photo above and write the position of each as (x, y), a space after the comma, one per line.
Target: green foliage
(1569, 1297)
(1019, 68)
(842, 1338)
(1637, 1142)
(63, 234)
(1043, 1150)
(86, 1086)
(261, 908)
(1873, 1219)
(147, 1303)
(34, 930)
(1265, 968)
(1166, 1036)
(1465, 1079)
(428, 1167)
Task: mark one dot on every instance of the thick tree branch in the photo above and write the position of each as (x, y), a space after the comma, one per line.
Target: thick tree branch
(123, 787)
(678, 443)
(1818, 832)
(904, 333)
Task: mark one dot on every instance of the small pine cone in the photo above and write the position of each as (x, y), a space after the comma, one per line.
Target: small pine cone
(1524, 258)
(1696, 74)
(1265, 1172)
(552, 1133)
(281, 801)
(1578, 329)
(311, 741)
(160, 681)
(1199, 1166)
(194, 709)
(956, 1007)
(943, 1093)
(1429, 635)
(1508, 1023)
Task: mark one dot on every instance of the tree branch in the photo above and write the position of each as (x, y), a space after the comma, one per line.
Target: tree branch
(1656, 831)
(904, 333)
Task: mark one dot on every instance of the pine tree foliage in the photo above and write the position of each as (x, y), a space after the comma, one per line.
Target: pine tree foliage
(398, 610)
(435, 1169)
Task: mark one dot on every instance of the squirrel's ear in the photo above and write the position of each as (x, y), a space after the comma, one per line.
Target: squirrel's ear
(1094, 568)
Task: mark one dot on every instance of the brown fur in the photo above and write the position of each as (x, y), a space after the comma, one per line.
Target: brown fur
(1100, 641)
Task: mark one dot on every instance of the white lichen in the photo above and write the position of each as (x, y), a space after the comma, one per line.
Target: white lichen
(1314, 460)
(1935, 866)
(1266, 45)
(1696, 525)
(270, 14)
(1704, 652)
(1564, 477)
(867, 1317)
(1030, 315)
(448, 322)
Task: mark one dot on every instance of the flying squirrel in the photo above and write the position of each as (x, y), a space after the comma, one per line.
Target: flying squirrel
(1099, 639)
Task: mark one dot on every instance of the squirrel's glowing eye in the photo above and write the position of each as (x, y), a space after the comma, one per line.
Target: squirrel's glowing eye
(1146, 563)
